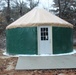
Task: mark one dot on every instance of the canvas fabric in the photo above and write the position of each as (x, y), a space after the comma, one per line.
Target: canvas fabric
(39, 17)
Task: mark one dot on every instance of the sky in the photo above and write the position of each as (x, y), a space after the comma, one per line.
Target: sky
(45, 3)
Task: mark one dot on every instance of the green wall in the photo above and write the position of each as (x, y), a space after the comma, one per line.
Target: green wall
(62, 40)
(24, 40)
(21, 40)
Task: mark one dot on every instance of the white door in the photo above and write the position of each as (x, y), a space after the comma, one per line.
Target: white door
(44, 40)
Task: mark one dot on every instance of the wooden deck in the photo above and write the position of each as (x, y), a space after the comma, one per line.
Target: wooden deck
(46, 62)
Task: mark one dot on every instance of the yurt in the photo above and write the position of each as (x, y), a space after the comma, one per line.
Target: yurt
(39, 32)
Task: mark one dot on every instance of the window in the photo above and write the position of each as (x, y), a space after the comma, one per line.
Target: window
(44, 33)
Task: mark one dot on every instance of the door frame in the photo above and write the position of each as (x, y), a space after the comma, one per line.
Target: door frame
(38, 39)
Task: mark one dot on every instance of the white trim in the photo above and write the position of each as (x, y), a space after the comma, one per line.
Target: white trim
(51, 40)
(38, 39)
(62, 54)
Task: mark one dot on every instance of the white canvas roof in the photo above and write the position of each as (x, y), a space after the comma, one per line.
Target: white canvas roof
(39, 17)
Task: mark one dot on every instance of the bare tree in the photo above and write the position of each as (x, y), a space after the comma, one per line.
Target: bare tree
(20, 7)
(59, 8)
(8, 11)
(33, 4)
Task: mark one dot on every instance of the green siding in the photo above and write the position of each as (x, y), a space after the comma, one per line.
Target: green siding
(62, 40)
(21, 40)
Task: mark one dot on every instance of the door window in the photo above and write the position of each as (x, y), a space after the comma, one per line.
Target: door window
(44, 33)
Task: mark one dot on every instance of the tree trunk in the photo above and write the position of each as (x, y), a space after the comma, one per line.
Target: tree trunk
(59, 8)
(8, 11)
